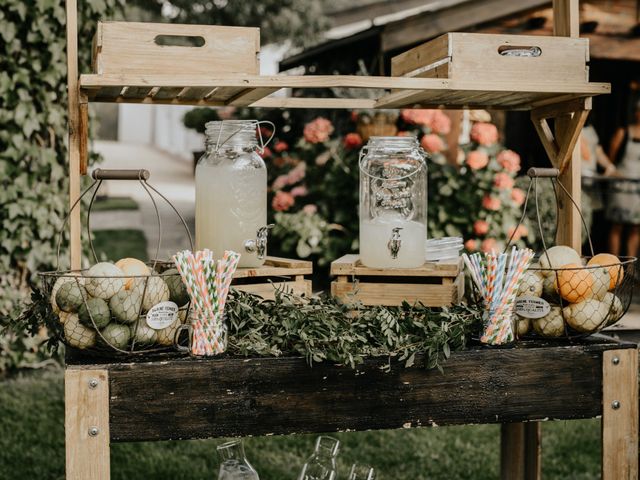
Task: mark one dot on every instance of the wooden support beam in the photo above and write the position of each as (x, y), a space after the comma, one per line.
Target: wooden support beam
(563, 152)
(560, 145)
(83, 133)
(620, 415)
(74, 133)
(87, 424)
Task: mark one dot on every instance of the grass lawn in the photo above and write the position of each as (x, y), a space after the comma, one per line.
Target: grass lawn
(116, 244)
(32, 447)
(104, 204)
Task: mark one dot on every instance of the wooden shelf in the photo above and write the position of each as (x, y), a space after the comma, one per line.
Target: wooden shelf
(235, 396)
(383, 92)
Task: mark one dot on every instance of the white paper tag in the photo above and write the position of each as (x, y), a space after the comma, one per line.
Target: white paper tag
(162, 315)
(532, 307)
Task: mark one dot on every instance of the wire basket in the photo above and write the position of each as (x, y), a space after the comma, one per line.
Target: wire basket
(129, 307)
(565, 295)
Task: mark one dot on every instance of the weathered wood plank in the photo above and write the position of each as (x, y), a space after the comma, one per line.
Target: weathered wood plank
(86, 424)
(198, 398)
(620, 415)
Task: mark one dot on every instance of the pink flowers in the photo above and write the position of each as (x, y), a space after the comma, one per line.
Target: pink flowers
(441, 123)
(352, 140)
(488, 245)
(281, 146)
(318, 130)
(509, 160)
(432, 143)
(310, 209)
(477, 159)
(518, 196)
(299, 191)
(294, 176)
(282, 201)
(503, 181)
(471, 245)
(480, 227)
(491, 203)
(435, 120)
(484, 133)
(517, 233)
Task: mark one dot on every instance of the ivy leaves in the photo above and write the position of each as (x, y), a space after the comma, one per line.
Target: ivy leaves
(33, 173)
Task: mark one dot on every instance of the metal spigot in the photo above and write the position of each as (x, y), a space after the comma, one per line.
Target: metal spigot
(259, 244)
(395, 242)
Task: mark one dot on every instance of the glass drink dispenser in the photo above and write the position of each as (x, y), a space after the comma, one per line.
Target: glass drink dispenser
(231, 192)
(393, 203)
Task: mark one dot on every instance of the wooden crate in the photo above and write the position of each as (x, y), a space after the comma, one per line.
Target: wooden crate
(276, 273)
(464, 56)
(123, 48)
(435, 284)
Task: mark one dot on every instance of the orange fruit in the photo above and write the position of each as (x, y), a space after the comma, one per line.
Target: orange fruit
(575, 283)
(612, 264)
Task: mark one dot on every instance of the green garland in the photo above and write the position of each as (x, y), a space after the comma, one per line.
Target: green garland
(320, 328)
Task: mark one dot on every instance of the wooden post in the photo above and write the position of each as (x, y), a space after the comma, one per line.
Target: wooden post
(75, 245)
(566, 23)
(620, 414)
(86, 424)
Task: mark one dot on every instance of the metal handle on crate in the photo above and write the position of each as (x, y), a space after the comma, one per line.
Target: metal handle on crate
(535, 172)
(120, 174)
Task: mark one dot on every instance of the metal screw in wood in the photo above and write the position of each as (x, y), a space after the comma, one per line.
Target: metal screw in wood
(94, 431)
(615, 404)
(93, 383)
(615, 360)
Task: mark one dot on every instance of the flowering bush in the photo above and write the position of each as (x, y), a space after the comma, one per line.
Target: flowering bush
(314, 187)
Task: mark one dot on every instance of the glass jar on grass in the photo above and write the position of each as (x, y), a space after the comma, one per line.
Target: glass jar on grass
(393, 203)
(321, 465)
(231, 192)
(233, 462)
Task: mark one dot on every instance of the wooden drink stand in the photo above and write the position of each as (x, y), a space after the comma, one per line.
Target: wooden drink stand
(152, 400)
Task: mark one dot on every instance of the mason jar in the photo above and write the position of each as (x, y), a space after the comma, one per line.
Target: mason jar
(393, 203)
(231, 192)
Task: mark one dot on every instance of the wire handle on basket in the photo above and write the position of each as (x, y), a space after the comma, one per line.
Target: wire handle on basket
(141, 175)
(553, 175)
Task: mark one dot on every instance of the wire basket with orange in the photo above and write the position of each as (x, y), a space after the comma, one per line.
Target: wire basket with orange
(564, 294)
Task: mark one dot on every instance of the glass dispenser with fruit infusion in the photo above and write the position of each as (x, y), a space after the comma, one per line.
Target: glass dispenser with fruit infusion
(393, 203)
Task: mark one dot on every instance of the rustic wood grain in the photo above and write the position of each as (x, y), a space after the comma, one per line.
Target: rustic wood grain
(86, 407)
(620, 425)
(131, 47)
(235, 396)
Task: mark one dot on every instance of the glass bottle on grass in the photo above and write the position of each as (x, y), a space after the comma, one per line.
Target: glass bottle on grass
(231, 192)
(393, 203)
(322, 464)
(361, 472)
(233, 462)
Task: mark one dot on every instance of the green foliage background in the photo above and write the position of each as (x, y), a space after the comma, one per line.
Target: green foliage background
(33, 143)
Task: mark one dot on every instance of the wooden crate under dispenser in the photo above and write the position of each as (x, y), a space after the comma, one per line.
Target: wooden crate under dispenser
(436, 284)
(276, 273)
